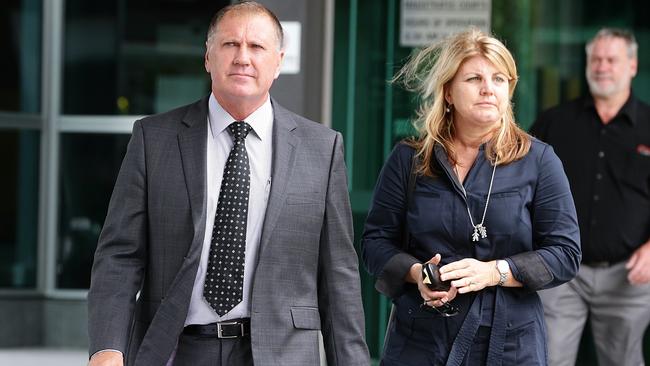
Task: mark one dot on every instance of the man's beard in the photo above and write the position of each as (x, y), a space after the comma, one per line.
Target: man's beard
(607, 90)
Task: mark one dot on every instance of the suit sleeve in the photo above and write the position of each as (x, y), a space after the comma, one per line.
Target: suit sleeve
(339, 288)
(119, 261)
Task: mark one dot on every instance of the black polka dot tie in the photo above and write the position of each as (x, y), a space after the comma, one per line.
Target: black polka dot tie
(225, 274)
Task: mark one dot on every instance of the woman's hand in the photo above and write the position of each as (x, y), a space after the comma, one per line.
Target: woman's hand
(431, 298)
(470, 274)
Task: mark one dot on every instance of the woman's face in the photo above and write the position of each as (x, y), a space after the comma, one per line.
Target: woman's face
(478, 94)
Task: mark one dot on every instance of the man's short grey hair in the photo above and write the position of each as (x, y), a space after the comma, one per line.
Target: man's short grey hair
(624, 34)
(246, 7)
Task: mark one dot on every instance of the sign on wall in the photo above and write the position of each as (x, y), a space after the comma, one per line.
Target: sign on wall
(427, 21)
(291, 62)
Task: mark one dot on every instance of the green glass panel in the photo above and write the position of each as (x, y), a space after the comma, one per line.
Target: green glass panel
(20, 64)
(88, 168)
(134, 57)
(19, 159)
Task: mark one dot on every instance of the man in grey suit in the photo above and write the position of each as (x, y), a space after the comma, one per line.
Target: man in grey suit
(228, 239)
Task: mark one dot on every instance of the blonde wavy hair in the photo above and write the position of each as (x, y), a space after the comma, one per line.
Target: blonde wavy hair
(429, 73)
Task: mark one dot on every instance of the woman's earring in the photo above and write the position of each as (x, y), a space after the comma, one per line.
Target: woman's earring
(448, 109)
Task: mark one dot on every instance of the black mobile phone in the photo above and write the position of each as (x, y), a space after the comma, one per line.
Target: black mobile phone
(431, 278)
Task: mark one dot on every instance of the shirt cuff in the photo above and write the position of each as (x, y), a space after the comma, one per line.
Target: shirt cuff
(390, 281)
(529, 269)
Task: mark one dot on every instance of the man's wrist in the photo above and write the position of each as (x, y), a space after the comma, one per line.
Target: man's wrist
(106, 350)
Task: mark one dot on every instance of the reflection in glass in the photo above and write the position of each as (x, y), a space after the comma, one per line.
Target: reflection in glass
(88, 168)
(135, 57)
(19, 157)
(20, 65)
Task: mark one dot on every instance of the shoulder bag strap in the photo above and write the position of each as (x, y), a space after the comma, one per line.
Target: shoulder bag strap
(406, 237)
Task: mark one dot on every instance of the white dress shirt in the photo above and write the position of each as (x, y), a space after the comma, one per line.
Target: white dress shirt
(259, 148)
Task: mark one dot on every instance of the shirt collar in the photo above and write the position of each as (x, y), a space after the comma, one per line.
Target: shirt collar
(261, 120)
(628, 109)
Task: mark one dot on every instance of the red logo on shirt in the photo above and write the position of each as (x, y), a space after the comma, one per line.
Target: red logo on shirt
(643, 149)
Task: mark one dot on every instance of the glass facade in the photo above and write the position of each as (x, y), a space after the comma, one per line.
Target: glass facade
(19, 151)
(89, 167)
(20, 69)
(20, 64)
(135, 57)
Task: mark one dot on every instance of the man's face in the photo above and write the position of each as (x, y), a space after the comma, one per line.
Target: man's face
(609, 68)
(243, 58)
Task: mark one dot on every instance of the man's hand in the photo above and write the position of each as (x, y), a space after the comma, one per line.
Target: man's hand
(639, 265)
(106, 358)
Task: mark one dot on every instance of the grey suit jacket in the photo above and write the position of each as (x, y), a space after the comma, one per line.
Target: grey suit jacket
(307, 274)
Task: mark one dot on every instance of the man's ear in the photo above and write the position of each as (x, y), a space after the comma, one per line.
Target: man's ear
(634, 66)
(277, 71)
(206, 61)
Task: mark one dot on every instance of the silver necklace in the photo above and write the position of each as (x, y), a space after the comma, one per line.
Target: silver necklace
(479, 229)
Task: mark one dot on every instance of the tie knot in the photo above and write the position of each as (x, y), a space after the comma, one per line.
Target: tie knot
(239, 130)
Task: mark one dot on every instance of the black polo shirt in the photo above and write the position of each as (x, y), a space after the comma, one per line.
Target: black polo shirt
(608, 167)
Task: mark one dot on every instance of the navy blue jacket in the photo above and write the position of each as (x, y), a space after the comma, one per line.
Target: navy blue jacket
(531, 222)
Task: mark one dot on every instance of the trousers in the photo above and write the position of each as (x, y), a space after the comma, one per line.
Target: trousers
(618, 313)
(205, 351)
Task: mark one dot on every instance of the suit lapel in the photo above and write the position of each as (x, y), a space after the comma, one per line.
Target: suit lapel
(192, 141)
(284, 150)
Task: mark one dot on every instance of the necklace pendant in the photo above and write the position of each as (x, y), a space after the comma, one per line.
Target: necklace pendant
(475, 233)
(479, 231)
(482, 230)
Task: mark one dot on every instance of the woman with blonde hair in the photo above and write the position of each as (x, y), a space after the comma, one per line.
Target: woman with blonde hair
(469, 219)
